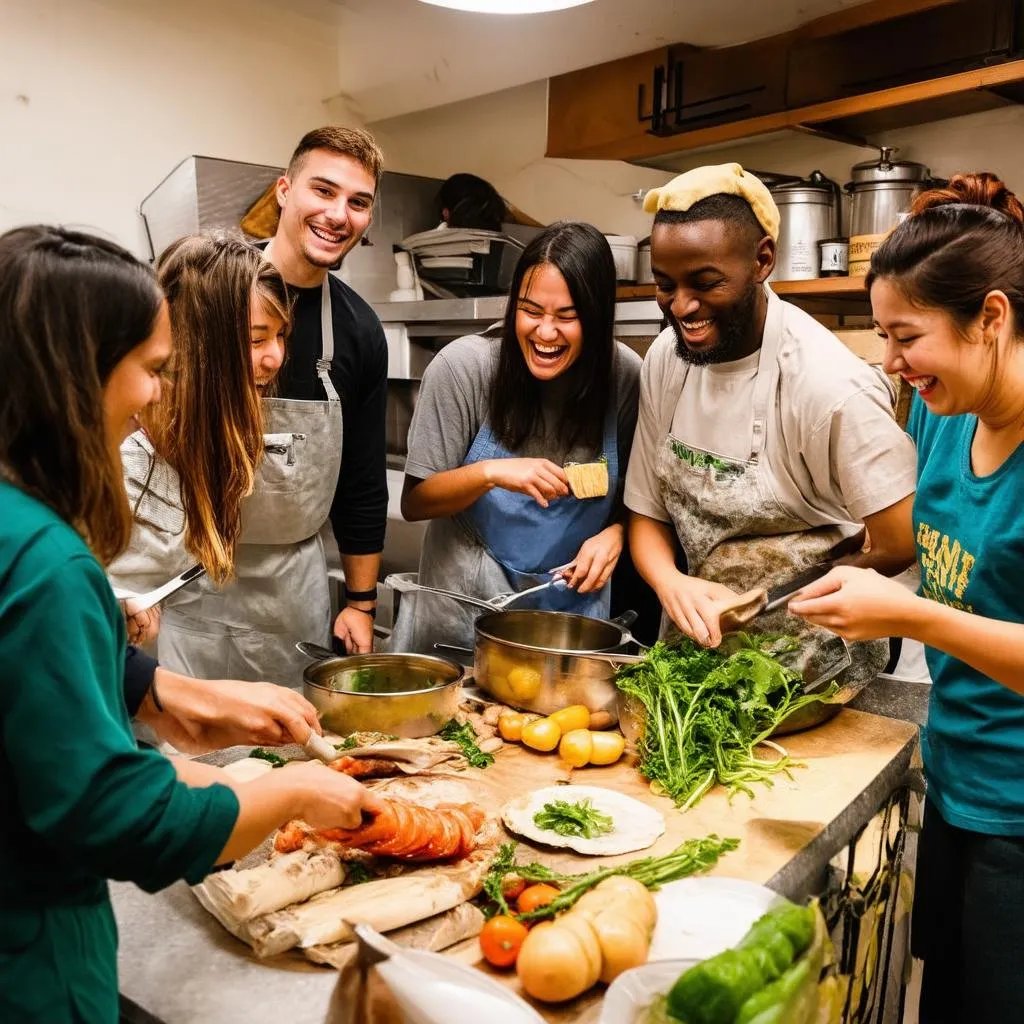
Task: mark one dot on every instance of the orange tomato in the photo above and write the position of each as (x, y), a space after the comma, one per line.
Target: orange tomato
(500, 940)
(534, 896)
(512, 887)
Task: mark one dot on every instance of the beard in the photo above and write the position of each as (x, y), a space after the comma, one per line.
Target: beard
(735, 325)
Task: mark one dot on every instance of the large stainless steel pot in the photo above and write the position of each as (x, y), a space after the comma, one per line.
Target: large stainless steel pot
(406, 695)
(537, 660)
(809, 212)
(881, 190)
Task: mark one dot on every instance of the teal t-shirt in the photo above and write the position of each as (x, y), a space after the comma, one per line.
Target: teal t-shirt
(970, 548)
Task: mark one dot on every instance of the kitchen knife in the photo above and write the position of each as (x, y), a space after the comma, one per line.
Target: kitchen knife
(759, 601)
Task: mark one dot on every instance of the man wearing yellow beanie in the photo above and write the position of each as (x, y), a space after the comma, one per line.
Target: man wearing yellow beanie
(762, 440)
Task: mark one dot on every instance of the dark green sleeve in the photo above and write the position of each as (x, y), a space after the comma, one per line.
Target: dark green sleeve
(82, 783)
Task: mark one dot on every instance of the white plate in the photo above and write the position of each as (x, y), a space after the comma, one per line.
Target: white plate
(636, 825)
(633, 991)
(699, 917)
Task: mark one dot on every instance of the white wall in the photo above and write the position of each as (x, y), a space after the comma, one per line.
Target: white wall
(502, 138)
(99, 99)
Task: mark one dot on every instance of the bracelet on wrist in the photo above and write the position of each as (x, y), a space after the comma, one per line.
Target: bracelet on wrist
(360, 595)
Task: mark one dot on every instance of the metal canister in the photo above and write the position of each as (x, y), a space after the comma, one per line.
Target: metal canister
(809, 211)
(881, 190)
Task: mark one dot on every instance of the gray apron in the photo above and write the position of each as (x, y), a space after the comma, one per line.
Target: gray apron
(731, 525)
(280, 592)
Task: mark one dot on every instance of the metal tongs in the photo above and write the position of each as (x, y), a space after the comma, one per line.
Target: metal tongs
(142, 602)
(399, 582)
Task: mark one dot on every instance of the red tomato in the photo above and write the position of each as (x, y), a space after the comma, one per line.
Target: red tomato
(500, 940)
(535, 896)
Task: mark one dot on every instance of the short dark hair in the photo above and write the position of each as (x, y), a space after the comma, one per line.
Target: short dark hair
(353, 142)
(471, 202)
(582, 256)
(723, 206)
(960, 243)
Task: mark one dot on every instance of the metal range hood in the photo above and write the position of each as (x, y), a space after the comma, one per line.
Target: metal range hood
(202, 192)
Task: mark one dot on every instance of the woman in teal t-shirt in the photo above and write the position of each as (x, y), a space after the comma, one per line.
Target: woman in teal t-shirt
(947, 293)
(84, 334)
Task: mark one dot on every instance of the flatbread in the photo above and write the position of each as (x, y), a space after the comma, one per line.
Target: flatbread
(248, 769)
(637, 826)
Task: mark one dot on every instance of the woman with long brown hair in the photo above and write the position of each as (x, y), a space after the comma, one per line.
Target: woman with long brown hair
(84, 335)
(947, 294)
(217, 475)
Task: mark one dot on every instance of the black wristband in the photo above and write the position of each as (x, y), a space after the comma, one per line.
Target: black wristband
(372, 612)
(156, 698)
(361, 595)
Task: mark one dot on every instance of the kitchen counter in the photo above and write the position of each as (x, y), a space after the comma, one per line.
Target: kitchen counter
(178, 964)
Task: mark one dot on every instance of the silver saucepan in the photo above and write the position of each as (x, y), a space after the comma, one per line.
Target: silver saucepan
(406, 695)
(542, 661)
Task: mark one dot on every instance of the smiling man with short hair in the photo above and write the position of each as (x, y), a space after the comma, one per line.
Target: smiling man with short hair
(762, 440)
(326, 197)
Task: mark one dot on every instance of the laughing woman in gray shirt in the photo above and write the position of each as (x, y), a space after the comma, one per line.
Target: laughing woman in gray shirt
(499, 417)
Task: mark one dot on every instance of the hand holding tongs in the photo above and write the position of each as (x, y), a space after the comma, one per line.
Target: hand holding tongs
(142, 602)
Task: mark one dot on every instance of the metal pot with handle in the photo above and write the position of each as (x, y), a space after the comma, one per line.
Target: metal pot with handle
(405, 695)
(543, 661)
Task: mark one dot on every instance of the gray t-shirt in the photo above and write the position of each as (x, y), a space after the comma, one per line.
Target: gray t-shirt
(451, 408)
(453, 401)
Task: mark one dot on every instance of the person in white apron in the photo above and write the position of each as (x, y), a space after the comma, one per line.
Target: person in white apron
(762, 440)
(246, 628)
(502, 517)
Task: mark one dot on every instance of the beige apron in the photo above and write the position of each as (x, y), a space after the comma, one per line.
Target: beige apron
(731, 525)
(280, 592)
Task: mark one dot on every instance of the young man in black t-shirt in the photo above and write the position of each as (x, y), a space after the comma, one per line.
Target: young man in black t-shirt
(326, 197)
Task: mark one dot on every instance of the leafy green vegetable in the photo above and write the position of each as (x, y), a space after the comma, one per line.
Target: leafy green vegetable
(707, 711)
(465, 736)
(357, 873)
(349, 743)
(578, 819)
(690, 858)
(268, 755)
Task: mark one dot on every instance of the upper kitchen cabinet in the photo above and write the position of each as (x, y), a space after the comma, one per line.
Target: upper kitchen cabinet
(874, 66)
(598, 106)
(924, 45)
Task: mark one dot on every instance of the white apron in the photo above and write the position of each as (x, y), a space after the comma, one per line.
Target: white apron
(280, 592)
(733, 528)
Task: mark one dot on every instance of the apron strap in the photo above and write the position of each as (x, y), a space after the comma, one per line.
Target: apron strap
(767, 375)
(323, 364)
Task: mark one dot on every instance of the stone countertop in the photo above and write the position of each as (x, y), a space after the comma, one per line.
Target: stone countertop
(178, 964)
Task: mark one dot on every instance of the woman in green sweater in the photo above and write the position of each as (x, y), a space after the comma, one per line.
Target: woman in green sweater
(84, 335)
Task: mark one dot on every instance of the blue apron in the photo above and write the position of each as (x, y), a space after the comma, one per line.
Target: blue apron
(528, 541)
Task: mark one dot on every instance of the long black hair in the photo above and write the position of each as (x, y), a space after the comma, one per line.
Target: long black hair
(581, 254)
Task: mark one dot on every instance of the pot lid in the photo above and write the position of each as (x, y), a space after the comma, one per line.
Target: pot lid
(886, 169)
(816, 181)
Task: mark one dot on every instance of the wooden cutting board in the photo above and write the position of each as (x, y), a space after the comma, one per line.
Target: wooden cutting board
(841, 760)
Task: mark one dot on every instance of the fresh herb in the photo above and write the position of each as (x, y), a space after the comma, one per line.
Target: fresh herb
(465, 736)
(578, 819)
(268, 755)
(692, 857)
(357, 873)
(707, 711)
(349, 743)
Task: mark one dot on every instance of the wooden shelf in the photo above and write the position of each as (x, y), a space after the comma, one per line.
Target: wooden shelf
(842, 288)
(903, 105)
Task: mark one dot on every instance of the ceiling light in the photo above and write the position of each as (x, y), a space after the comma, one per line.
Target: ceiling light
(507, 6)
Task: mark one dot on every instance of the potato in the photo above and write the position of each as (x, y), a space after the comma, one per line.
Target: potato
(624, 942)
(556, 964)
(639, 896)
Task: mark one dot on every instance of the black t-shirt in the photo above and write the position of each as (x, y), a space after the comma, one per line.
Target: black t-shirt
(359, 371)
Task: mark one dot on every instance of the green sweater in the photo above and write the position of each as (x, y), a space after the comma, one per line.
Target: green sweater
(79, 802)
